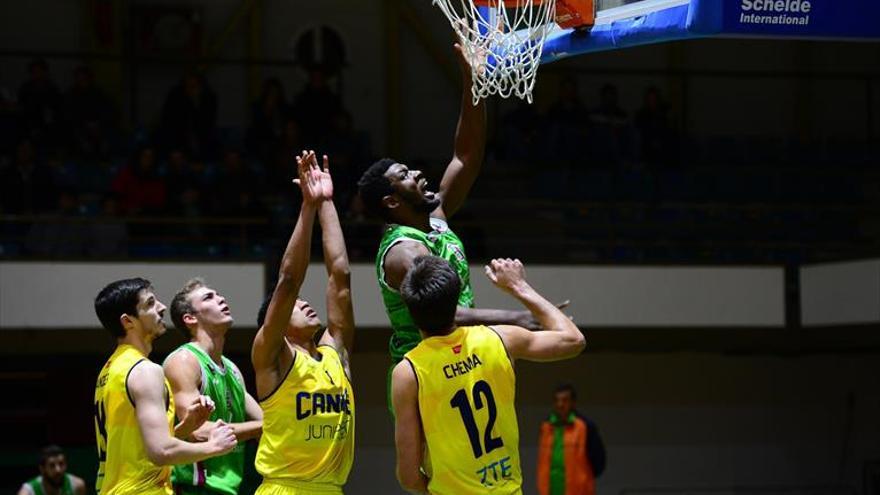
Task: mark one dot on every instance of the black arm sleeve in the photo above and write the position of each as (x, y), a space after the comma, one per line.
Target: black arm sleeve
(595, 449)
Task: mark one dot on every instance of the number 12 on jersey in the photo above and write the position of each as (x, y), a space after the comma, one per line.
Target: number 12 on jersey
(483, 397)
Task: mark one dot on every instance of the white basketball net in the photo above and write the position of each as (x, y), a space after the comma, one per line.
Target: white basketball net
(508, 39)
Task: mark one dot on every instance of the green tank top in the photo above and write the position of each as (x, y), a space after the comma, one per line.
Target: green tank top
(36, 485)
(225, 387)
(442, 242)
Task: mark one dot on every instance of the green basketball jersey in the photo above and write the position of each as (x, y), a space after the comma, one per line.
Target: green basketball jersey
(442, 242)
(36, 486)
(226, 388)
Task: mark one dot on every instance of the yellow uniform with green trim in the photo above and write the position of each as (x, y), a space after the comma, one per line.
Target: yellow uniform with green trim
(123, 466)
(466, 393)
(307, 445)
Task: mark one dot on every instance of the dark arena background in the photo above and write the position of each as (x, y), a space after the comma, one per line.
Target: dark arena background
(710, 206)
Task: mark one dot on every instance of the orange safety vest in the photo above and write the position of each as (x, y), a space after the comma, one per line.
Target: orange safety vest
(579, 479)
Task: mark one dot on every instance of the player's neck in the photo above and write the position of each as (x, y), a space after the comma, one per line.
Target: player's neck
(212, 343)
(304, 344)
(416, 220)
(48, 488)
(441, 334)
(138, 342)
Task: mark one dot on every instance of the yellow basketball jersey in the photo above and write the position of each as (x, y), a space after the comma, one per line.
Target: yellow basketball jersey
(308, 425)
(123, 466)
(466, 393)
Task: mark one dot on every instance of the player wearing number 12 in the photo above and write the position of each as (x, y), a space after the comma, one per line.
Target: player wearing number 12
(455, 390)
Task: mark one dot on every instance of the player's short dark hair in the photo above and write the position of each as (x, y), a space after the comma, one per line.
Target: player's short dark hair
(117, 298)
(181, 304)
(373, 186)
(566, 387)
(264, 308)
(430, 291)
(49, 452)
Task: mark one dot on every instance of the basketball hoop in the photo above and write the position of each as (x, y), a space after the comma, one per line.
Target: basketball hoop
(503, 39)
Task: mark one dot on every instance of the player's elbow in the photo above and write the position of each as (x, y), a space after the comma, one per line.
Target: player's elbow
(410, 479)
(340, 270)
(575, 344)
(159, 455)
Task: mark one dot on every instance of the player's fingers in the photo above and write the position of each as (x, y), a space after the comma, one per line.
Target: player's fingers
(326, 164)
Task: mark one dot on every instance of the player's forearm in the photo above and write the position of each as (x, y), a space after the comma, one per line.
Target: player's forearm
(295, 260)
(185, 429)
(247, 430)
(175, 451)
(549, 316)
(470, 134)
(335, 254)
(243, 431)
(483, 316)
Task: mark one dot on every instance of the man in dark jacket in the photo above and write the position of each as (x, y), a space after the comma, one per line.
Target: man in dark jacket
(570, 451)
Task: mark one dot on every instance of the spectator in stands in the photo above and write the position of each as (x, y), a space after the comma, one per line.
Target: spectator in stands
(317, 102)
(523, 133)
(278, 175)
(348, 150)
(610, 129)
(9, 126)
(108, 234)
(571, 454)
(27, 185)
(139, 184)
(233, 178)
(178, 176)
(90, 116)
(269, 115)
(189, 118)
(40, 106)
(656, 135)
(53, 478)
(567, 119)
(61, 234)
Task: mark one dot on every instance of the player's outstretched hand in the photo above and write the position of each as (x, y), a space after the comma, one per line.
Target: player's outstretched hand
(222, 438)
(507, 274)
(326, 179)
(309, 177)
(470, 60)
(198, 411)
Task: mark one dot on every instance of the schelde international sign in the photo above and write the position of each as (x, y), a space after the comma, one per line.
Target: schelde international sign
(800, 18)
(778, 12)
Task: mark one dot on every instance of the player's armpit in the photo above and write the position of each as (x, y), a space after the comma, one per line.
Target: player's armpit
(399, 259)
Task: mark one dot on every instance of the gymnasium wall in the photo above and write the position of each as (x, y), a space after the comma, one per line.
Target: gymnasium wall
(655, 297)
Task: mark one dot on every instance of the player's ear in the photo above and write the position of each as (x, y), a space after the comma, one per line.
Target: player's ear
(390, 201)
(189, 319)
(126, 321)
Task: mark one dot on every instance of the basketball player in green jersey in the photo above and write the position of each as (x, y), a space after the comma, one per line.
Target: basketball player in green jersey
(200, 368)
(416, 224)
(53, 478)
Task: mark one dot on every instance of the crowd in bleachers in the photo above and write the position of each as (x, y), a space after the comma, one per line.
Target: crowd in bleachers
(73, 179)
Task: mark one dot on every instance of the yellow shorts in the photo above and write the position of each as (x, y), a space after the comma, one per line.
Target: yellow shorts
(294, 487)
